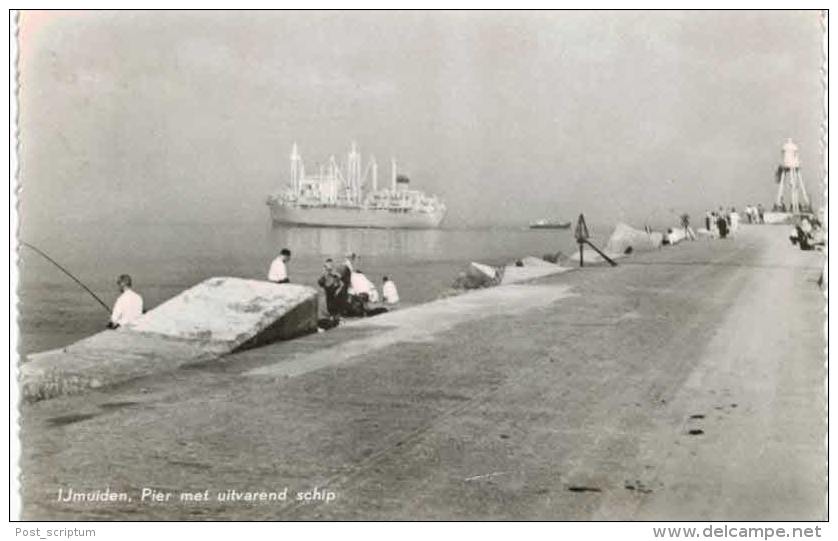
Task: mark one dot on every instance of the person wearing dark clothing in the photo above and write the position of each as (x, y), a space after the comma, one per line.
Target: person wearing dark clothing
(332, 286)
(345, 273)
(802, 239)
(368, 311)
(721, 223)
(354, 306)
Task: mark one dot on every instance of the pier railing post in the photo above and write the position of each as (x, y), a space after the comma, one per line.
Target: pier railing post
(601, 253)
(581, 234)
(583, 237)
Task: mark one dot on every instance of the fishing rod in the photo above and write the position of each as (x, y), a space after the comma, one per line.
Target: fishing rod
(68, 273)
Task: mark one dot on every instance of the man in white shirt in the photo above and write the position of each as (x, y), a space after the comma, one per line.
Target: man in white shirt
(279, 272)
(734, 221)
(348, 267)
(359, 284)
(389, 291)
(345, 272)
(129, 305)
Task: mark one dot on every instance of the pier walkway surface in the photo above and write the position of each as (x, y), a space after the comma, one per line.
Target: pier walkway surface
(687, 383)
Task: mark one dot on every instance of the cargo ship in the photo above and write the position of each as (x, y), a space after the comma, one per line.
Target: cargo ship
(347, 197)
(549, 224)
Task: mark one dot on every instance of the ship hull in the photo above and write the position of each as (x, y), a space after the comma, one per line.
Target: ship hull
(354, 217)
(550, 226)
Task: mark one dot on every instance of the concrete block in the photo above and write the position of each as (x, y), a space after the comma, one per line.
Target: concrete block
(625, 236)
(214, 318)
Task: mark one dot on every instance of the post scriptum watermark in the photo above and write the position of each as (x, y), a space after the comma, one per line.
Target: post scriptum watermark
(53, 533)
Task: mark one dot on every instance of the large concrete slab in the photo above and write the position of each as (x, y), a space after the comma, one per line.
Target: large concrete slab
(624, 236)
(216, 317)
(228, 314)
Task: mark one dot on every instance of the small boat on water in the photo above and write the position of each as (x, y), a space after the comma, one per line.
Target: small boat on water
(549, 224)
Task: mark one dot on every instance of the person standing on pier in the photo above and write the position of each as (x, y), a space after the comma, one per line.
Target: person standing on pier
(721, 224)
(734, 221)
(129, 305)
(332, 285)
(685, 225)
(346, 270)
(279, 271)
(714, 224)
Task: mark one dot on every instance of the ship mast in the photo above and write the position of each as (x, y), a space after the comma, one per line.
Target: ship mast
(296, 169)
(353, 173)
(374, 174)
(393, 174)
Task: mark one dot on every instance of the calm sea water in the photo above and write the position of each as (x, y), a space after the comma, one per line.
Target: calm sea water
(165, 259)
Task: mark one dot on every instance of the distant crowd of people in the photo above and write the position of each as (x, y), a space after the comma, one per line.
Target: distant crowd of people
(348, 292)
(783, 207)
(724, 223)
(755, 214)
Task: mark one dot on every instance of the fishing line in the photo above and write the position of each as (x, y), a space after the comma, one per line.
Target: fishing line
(68, 273)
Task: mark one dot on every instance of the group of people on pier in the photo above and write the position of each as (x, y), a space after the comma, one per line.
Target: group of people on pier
(755, 214)
(348, 292)
(722, 223)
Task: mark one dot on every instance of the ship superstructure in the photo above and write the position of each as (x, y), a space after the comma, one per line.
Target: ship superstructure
(348, 195)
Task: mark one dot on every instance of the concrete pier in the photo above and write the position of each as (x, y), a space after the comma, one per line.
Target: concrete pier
(214, 318)
(687, 383)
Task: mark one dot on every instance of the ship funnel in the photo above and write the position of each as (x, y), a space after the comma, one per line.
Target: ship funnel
(402, 183)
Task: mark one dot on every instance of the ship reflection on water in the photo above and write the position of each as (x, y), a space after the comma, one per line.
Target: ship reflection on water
(335, 242)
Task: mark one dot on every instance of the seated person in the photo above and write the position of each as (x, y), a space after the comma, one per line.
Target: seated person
(129, 305)
(355, 305)
(389, 291)
(362, 293)
(278, 271)
(803, 235)
(367, 309)
(359, 283)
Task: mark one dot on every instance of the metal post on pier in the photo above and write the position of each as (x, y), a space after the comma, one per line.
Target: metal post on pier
(583, 237)
(581, 234)
(601, 253)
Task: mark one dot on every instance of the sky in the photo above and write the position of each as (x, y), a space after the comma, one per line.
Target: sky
(129, 117)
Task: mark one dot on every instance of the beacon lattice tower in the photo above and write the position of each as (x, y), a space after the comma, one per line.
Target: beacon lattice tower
(790, 182)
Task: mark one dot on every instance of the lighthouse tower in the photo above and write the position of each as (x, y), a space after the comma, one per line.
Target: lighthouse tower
(790, 182)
